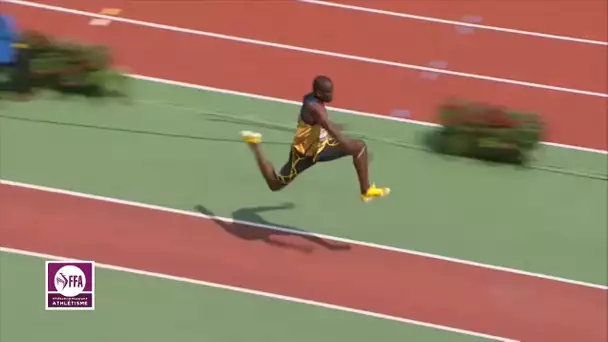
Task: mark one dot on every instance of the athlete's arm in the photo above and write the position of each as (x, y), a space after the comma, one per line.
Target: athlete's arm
(319, 114)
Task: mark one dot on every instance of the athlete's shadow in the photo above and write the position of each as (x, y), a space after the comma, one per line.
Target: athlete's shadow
(279, 237)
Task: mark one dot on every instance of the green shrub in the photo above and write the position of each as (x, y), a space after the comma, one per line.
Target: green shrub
(486, 132)
(72, 68)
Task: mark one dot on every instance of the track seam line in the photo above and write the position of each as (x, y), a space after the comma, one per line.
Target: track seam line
(261, 294)
(308, 50)
(297, 232)
(452, 22)
(339, 110)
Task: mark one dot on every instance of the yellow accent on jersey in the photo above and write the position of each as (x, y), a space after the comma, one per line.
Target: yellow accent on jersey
(309, 139)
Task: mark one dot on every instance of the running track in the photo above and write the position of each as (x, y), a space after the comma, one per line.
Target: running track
(370, 86)
(477, 299)
(579, 19)
(371, 279)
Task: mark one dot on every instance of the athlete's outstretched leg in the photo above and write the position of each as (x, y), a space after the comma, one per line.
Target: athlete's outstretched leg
(266, 168)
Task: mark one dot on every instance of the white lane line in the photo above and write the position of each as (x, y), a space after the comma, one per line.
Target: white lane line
(297, 232)
(453, 22)
(261, 294)
(308, 50)
(335, 109)
(339, 110)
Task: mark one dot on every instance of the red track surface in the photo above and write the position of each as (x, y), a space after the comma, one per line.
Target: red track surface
(485, 52)
(472, 298)
(580, 19)
(572, 119)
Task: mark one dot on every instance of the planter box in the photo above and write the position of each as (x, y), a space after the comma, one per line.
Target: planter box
(487, 132)
(67, 68)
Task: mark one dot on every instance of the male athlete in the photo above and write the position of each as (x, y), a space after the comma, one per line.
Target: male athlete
(317, 139)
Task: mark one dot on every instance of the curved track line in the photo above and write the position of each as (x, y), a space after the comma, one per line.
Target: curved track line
(308, 50)
(221, 55)
(453, 22)
(482, 52)
(341, 110)
(259, 293)
(301, 233)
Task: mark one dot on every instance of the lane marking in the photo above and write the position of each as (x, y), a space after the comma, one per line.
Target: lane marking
(297, 232)
(99, 22)
(308, 50)
(261, 294)
(105, 22)
(111, 11)
(453, 22)
(339, 110)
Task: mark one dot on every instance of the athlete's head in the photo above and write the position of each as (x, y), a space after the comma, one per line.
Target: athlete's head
(323, 88)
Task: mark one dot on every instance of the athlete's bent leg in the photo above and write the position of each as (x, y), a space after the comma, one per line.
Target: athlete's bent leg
(334, 151)
(361, 163)
(266, 168)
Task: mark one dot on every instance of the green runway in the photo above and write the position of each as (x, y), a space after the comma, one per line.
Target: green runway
(177, 154)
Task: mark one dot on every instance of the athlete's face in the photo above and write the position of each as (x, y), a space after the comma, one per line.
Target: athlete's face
(325, 92)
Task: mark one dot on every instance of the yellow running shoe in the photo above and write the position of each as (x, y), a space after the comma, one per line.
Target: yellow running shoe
(251, 137)
(374, 192)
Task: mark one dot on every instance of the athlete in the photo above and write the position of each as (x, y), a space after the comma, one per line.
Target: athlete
(317, 139)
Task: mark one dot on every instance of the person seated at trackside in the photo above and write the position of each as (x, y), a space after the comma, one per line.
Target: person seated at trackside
(14, 58)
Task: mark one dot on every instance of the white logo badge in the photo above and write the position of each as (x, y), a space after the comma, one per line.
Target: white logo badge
(70, 281)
